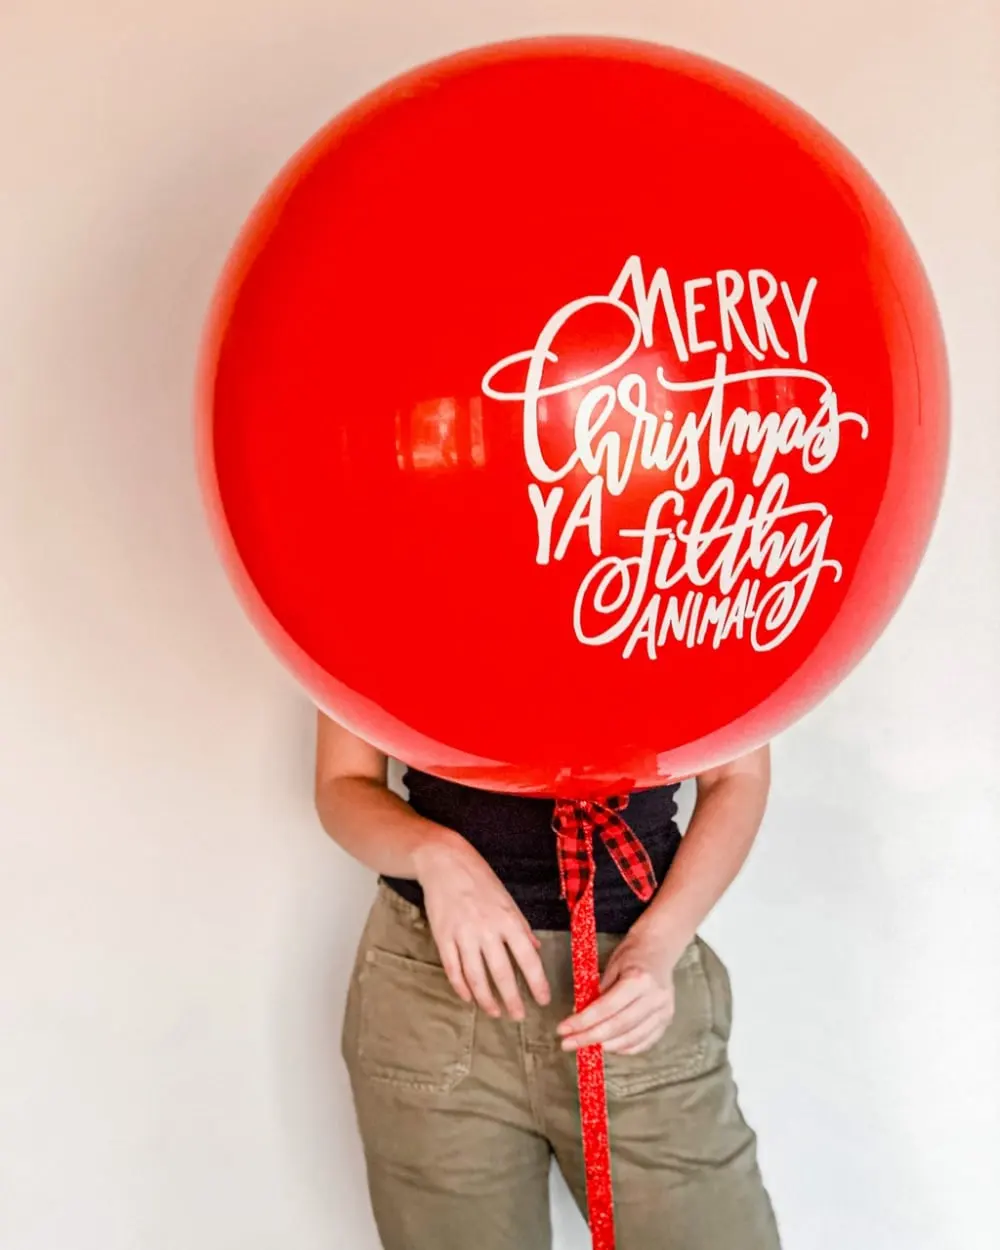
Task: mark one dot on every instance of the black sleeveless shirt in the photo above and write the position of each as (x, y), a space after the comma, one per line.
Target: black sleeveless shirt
(514, 835)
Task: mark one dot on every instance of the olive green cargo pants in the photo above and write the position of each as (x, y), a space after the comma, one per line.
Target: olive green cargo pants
(461, 1114)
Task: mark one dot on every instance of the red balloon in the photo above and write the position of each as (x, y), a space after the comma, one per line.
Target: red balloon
(574, 415)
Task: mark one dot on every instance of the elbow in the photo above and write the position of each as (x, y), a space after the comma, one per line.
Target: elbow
(339, 795)
(327, 801)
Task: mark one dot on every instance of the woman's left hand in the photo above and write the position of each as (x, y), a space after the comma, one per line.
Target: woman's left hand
(637, 998)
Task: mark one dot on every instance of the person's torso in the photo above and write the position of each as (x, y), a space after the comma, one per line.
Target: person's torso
(515, 837)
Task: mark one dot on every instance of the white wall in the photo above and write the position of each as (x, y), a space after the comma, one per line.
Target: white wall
(176, 929)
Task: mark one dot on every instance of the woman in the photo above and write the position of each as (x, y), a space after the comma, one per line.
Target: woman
(460, 1032)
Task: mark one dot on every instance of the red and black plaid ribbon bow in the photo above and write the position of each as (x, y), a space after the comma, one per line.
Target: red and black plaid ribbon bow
(575, 822)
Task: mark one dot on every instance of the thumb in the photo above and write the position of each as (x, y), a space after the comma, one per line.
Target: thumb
(611, 973)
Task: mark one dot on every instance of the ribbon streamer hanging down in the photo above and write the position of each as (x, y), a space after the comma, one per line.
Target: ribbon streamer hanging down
(575, 823)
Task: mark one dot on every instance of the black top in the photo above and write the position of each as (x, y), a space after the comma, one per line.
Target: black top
(514, 835)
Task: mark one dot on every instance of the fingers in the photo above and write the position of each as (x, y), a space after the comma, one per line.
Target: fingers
(640, 1038)
(474, 969)
(524, 946)
(623, 992)
(626, 1019)
(634, 1015)
(452, 964)
(475, 965)
(612, 972)
(498, 962)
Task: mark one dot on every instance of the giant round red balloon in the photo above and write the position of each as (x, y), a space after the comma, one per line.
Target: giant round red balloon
(575, 415)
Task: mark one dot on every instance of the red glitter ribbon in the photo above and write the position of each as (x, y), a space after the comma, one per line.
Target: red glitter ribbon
(575, 823)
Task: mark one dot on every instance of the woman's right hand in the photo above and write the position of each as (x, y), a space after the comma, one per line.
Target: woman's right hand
(480, 931)
(477, 925)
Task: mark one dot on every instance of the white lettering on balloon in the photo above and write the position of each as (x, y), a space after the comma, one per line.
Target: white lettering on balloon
(730, 565)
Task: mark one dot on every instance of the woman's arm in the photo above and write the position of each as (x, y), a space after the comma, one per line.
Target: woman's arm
(637, 993)
(728, 812)
(360, 812)
(476, 924)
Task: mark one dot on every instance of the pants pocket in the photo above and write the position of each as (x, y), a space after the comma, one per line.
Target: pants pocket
(719, 989)
(692, 1044)
(413, 1030)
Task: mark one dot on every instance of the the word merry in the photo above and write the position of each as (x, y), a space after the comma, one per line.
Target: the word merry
(752, 566)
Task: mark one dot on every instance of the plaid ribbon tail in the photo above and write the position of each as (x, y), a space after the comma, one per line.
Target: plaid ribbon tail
(575, 824)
